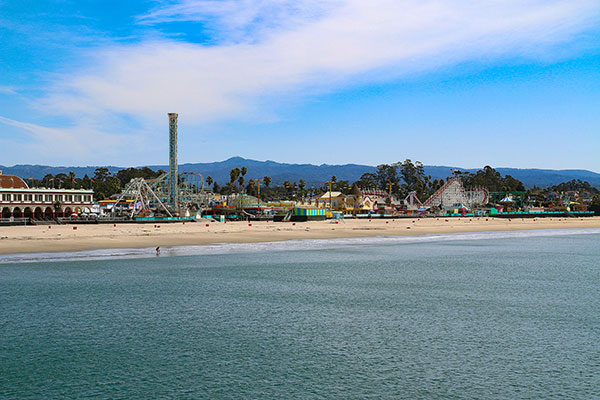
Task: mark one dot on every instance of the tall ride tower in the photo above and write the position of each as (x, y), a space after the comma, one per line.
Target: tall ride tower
(173, 192)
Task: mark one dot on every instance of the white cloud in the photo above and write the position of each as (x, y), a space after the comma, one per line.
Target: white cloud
(7, 90)
(234, 18)
(75, 144)
(266, 52)
(295, 47)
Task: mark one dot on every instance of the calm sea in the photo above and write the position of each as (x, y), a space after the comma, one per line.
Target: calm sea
(486, 316)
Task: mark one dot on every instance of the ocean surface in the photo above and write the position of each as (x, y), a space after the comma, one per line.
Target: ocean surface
(513, 315)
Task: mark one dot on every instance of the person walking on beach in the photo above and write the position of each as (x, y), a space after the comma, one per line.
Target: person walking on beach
(158, 251)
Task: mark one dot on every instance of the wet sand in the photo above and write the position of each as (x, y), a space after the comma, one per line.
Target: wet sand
(45, 238)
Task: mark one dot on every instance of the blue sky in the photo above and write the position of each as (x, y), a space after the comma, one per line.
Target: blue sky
(456, 82)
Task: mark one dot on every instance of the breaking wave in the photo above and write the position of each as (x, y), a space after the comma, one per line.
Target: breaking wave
(289, 245)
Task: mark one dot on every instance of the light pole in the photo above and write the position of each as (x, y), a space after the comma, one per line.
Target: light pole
(390, 186)
(329, 183)
(258, 181)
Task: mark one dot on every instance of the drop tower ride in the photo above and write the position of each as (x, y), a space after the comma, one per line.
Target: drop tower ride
(173, 184)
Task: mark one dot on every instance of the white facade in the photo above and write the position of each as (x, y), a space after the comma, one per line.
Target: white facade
(44, 202)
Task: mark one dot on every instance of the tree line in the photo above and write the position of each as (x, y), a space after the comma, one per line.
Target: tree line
(103, 183)
(399, 179)
(404, 177)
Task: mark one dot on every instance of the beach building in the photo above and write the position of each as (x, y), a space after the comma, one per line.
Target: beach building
(18, 200)
(337, 200)
(106, 206)
(358, 202)
(355, 203)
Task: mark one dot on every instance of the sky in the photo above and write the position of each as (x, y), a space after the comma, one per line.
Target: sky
(467, 83)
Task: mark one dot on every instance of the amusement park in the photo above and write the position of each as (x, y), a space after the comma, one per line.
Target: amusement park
(172, 196)
(185, 196)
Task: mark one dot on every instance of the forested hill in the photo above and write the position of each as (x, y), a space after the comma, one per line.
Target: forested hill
(312, 174)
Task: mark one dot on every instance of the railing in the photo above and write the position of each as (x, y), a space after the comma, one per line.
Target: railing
(15, 221)
(165, 218)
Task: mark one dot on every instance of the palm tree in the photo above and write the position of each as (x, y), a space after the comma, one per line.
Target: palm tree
(288, 186)
(47, 180)
(234, 174)
(71, 179)
(57, 206)
(267, 180)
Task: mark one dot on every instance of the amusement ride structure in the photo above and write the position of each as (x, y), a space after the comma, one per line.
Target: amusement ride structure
(453, 194)
(183, 195)
(171, 194)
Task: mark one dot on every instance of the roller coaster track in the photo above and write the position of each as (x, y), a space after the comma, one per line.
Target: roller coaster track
(440, 192)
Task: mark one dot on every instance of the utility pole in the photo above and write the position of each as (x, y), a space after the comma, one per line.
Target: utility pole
(258, 181)
(329, 183)
(390, 186)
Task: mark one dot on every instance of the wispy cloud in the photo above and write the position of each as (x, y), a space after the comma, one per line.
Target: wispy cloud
(74, 144)
(242, 19)
(8, 90)
(311, 46)
(267, 52)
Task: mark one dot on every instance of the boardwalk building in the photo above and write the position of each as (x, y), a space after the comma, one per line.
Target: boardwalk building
(17, 200)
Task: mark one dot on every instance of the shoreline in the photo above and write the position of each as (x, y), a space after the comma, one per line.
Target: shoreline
(295, 245)
(63, 238)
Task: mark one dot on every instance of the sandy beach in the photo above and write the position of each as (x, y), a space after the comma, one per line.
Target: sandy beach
(45, 238)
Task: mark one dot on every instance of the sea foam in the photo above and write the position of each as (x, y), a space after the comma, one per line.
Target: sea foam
(287, 245)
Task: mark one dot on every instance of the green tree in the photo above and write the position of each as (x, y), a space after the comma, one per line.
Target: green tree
(101, 174)
(86, 182)
(575, 185)
(415, 179)
(229, 188)
(492, 180)
(70, 184)
(267, 180)
(343, 186)
(388, 174)
(60, 180)
(288, 187)
(511, 184)
(105, 185)
(48, 180)
(234, 174)
(368, 180)
(127, 174)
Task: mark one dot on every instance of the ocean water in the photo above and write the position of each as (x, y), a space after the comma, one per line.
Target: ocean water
(476, 316)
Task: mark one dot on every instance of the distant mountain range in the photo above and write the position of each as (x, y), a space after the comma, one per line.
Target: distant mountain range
(313, 174)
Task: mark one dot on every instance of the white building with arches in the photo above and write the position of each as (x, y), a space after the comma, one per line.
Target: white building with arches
(18, 200)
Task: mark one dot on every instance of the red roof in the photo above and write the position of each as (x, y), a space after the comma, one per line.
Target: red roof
(11, 181)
